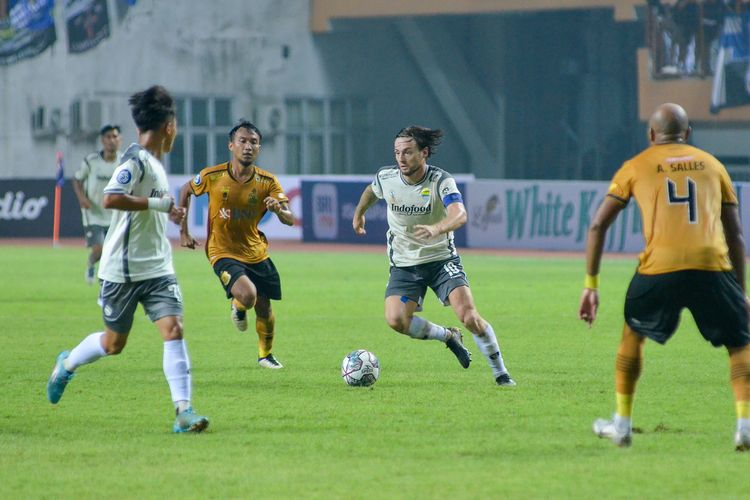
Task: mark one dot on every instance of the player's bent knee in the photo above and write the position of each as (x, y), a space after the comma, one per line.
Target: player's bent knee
(398, 323)
(247, 299)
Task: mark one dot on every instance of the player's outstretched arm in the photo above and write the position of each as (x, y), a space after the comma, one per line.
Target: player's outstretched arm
(281, 209)
(730, 219)
(186, 239)
(455, 218)
(604, 217)
(367, 200)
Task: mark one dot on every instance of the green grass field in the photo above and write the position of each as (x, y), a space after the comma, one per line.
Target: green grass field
(427, 429)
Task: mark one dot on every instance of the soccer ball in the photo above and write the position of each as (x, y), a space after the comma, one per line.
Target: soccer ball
(360, 368)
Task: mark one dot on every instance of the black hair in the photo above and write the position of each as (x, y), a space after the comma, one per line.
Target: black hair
(152, 108)
(108, 128)
(423, 136)
(243, 123)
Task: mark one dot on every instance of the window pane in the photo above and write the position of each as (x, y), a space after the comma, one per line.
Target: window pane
(222, 112)
(294, 113)
(221, 151)
(200, 151)
(360, 159)
(315, 114)
(177, 156)
(315, 159)
(180, 105)
(293, 154)
(338, 113)
(338, 154)
(359, 114)
(199, 112)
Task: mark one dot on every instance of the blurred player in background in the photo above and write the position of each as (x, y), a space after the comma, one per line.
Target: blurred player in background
(424, 208)
(239, 195)
(694, 258)
(89, 182)
(136, 264)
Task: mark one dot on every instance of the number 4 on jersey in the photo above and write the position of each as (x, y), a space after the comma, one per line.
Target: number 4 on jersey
(691, 200)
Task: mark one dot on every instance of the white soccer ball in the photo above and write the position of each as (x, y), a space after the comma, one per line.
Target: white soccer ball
(360, 368)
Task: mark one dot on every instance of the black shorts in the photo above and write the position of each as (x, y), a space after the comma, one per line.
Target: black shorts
(411, 282)
(653, 304)
(263, 274)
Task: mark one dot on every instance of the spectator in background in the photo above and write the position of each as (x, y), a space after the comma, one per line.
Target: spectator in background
(89, 183)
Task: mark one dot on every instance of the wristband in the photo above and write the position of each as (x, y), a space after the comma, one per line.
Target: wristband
(160, 204)
(591, 282)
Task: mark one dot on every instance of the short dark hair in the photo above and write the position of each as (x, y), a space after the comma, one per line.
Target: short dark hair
(152, 108)
(108, 128)
(247, 125)
(423, 136)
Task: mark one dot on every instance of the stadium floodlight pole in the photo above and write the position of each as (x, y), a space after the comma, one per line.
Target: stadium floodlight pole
(59, 181)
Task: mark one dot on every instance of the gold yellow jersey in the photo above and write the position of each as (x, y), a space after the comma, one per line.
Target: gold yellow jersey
(235, 210)
(680, 190)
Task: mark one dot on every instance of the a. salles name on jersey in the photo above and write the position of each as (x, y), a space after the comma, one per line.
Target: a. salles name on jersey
(411, 209)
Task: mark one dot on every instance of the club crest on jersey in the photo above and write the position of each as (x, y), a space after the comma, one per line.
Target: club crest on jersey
(225, 194)
(124, 176)
(197, 180)
(252, 198)
(425, 193)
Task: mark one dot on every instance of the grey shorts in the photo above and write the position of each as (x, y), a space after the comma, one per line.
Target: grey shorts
(410, 283)
(95, 235)
(160, 297)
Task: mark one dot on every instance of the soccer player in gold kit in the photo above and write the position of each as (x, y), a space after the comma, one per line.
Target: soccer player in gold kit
(240, 193)
(694, 258)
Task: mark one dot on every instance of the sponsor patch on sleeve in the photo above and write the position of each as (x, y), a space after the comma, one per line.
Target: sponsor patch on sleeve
(124, 176)
(197, 179)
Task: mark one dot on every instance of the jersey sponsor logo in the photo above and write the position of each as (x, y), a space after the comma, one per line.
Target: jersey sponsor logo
(252, 198)
(197, 179)
(237, 213)
(411, 209)
(124, 176)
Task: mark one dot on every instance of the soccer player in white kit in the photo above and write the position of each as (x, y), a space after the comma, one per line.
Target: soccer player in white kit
(136, 265)
(89, 183)
(424, 208)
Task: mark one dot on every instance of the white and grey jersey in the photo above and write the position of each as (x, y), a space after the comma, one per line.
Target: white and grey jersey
(94, 175)
(136, 247)
(422, 203)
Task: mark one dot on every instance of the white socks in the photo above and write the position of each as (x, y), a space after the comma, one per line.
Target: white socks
(487, 343)
(422, 329)
(743, 424)
(177, 371)
(89, 350)
(622, 424)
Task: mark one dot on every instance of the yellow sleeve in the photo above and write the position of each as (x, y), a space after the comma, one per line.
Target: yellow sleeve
(621, 186)
(200, 183)
(277, 191)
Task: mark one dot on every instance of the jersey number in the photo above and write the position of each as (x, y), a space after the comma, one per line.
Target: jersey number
(691, 199)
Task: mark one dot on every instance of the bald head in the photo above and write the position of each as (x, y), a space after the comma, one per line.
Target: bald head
(669, 123)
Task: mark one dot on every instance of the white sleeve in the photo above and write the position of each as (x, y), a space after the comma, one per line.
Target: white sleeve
(377, 190)
(124, 178)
